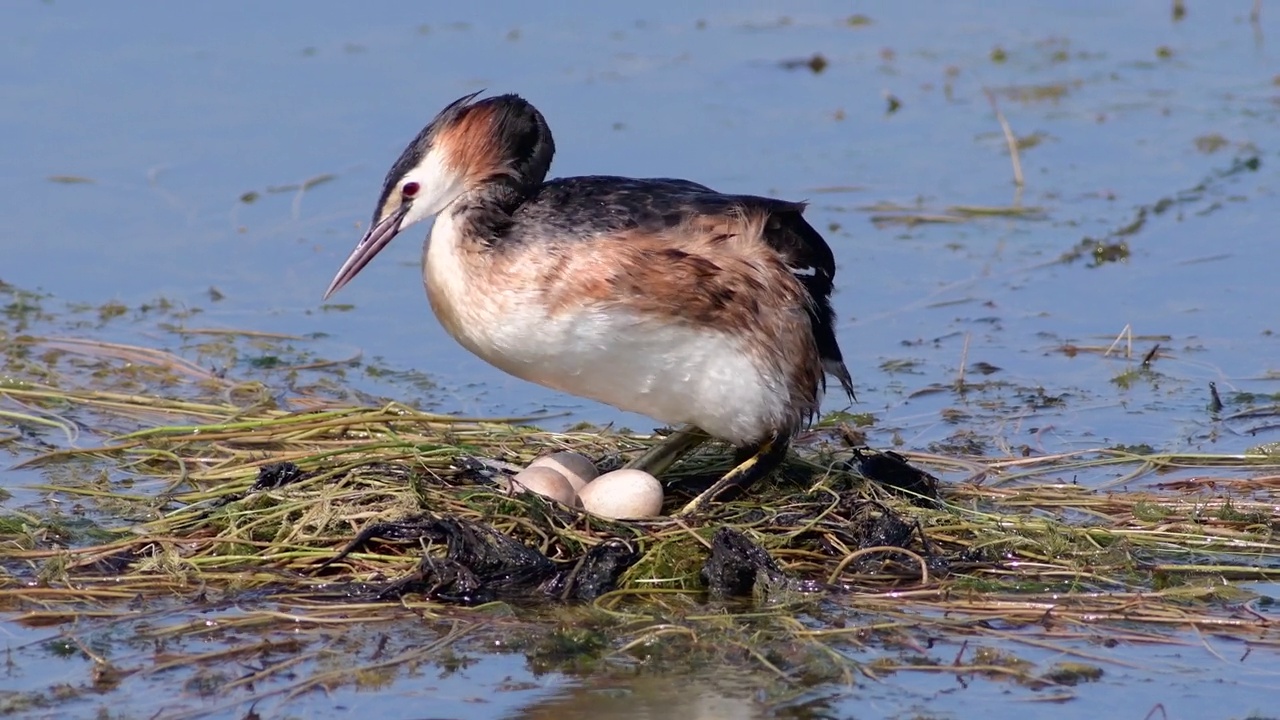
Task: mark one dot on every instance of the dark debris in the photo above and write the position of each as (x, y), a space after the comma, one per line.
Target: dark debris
(481, 564)
(892, 470)
(594, 574)
(277, 475)
(738, 567)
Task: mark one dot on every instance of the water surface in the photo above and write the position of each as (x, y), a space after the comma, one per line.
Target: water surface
(160, 150)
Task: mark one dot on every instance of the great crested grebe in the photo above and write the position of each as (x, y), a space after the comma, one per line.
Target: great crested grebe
(656, 296)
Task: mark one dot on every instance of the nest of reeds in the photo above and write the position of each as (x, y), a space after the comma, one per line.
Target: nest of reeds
(375, 503)
(330, 508)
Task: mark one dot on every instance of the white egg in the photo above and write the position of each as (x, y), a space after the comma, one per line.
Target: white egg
(623, 494)
(575, 468)
(547, 483)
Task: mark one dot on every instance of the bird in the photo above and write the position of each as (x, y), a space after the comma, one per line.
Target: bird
(659, 296)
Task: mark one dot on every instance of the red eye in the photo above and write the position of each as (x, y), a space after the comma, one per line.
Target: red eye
(410, 189)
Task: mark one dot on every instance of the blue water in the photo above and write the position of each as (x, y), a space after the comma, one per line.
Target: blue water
(176, 111)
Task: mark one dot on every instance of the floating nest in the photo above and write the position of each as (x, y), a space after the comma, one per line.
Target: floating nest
(377, 504)
(337, 513)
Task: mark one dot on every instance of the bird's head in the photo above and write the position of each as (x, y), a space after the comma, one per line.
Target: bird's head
(500, 142)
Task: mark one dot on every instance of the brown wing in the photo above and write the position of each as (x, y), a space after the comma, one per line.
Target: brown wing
(711, 272)
(594, 207)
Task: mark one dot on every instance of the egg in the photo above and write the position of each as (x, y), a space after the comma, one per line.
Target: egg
(575, 468)
(546, 482)
(623, 494)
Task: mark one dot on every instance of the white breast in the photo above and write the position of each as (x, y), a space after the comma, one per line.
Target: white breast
(671, 372)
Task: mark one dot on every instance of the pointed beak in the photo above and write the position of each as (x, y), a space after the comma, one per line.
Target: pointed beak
(371, 244)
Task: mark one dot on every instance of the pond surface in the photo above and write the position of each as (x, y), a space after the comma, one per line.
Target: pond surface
(224, 157)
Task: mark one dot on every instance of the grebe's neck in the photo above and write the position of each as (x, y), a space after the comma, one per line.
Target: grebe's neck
(486, 212)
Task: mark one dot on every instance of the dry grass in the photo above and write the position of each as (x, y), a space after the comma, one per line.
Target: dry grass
(1012, 536)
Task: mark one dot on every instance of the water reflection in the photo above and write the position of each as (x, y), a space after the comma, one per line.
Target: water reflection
(714, 696)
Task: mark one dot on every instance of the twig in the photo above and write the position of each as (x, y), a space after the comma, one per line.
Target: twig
(1009, 138)
(1126, 335)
